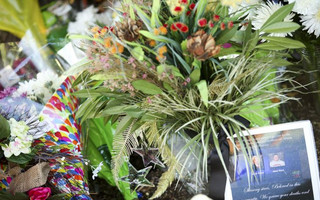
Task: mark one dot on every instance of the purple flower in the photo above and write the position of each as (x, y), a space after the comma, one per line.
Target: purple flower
(226, 45)
(7, 92)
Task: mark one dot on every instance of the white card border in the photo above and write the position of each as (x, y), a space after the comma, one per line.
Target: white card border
(310, 146)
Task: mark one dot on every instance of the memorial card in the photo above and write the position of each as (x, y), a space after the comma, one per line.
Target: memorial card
(283, 164)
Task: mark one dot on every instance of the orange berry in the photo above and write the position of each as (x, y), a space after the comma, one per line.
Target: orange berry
(156, 31)
(160, 57)
(152, 43)
(120, 48)
(163, 30)
(162, 50)
(107, 42)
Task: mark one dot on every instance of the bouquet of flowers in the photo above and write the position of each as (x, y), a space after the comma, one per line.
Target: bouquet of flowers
(188, 70)
(41, 146)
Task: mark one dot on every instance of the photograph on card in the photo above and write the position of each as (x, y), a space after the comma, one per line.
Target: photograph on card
(278, 168)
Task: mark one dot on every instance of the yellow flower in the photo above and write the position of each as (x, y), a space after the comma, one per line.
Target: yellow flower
(173, 4)
(163, 30)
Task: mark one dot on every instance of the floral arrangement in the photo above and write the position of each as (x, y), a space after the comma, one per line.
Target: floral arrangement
(186, 69)
(38, 89)
(41, 150)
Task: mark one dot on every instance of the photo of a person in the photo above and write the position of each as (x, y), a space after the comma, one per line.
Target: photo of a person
(276, 161)
(256, 163)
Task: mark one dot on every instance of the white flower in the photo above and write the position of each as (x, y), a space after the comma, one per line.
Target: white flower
(311, 22)
(18, 129)
(238, 4)
(264, 12)
(305, 7)
(84, 21)
(200, 197)
(97, 170)
(41, 88)
(17, 147)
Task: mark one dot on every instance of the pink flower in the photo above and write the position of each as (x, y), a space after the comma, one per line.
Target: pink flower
(39, 193)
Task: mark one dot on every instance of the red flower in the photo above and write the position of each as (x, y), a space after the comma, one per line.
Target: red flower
(173, 27)
(191, 6)
(178, 9)
(184, 1)
(211, 24)
(202, 22)
(165, 25)
(230, 25)
(39, 193)
(216, 18)
(179, 25)
(222, 26)
(188, 13)
(184, 29)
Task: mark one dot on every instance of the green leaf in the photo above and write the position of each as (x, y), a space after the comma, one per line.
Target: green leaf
(196, 63)
(85, 37)
(107, 76)
(138, 53)
(203, 89)
(184, 45)
(17, 196)
(4, 127)
(270, 46)
(22, 158)
(278, 16)
(195, 76)
(169, 68)
(49, 18)
(160, 39)
(58, 196)
(146, 87)
(282, 27)
(226, 35)
(200, 7)
(143, 16)
(167, 86)
(286, 42)
(155, 12)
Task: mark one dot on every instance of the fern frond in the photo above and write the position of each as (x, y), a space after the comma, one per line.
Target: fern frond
(124, 141)
(153, 137)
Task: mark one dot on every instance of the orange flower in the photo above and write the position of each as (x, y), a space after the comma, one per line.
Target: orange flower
(107, 42)
(152, 43)
(160, 58)
(103, 31)
(117, 49)
(163, 30)
(120, 48)
(156, 31)
(162, 50)
(95, 29)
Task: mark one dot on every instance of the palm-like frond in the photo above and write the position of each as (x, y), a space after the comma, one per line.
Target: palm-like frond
(124, 141)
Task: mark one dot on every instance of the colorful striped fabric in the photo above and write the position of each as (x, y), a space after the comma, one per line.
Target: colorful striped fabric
(64, 140)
